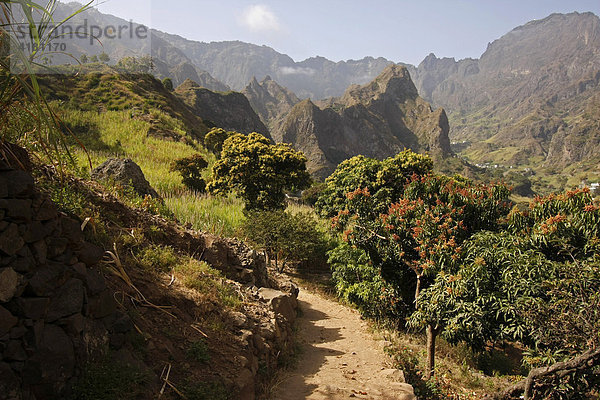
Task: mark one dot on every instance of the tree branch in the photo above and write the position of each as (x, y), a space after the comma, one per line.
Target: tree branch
(557, 370)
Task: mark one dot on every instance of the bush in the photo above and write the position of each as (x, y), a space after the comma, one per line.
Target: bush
(168, 84)
(287, 236)
(198, 351)
(190, 168)
(311, 195)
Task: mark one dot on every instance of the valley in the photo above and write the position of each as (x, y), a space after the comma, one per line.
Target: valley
(215, 220)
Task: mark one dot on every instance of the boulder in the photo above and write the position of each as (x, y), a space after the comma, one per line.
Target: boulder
(7, 321)
(10, 240)
(125, 172)
(282, 303)
(9, 281)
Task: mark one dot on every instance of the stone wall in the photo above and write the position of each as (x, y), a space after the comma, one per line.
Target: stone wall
(55, 308)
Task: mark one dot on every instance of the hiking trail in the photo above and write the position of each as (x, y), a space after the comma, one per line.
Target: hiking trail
(339, 357)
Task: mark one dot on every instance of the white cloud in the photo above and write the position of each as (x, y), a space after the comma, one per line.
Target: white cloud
(297, 71)
(260, 18)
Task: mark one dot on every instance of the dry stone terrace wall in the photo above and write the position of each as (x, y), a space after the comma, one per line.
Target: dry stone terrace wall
(55, 308)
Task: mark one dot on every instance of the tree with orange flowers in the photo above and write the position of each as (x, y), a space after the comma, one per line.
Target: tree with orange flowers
(422, 233)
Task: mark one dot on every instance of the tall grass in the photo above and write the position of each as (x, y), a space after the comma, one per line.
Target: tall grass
(116, 133)
(220, 216)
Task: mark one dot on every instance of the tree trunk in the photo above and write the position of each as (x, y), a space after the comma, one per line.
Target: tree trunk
(418, 289)
(431, 336)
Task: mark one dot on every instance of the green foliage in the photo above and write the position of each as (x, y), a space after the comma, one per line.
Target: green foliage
(168, 84)
(103, 57)
(83, 59)
(287, 236)
(190, 168)
(158, 258)
(360, 283)
(537, 283)
(214, 140)
(385, 180)
(312, 194)
(258, 171)
(108, 379)
(198, 351)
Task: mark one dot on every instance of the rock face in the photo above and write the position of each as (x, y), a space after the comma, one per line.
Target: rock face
(54, 302)
(230, 111)
(235, 63)
(271, 101)
(534, 93)
(126, 172)
(378, 120)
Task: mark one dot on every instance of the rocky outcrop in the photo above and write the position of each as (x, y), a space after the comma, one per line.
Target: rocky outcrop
(230, 110)
(126, 172)
(378, 120)
(235, 259)
(55, 308)
(271, 101)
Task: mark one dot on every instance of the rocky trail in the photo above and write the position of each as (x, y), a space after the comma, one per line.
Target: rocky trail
(340, 358)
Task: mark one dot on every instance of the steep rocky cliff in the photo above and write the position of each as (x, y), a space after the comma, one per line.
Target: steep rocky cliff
(271, 101)
(531, 99)
(227, 110)
(235, 63)
(378, 119)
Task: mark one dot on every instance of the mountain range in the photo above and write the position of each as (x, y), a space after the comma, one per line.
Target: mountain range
(530, 102)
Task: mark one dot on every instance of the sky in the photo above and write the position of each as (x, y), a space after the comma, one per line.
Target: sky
(400, 30)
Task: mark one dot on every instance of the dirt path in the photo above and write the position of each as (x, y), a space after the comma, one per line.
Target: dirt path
(340, 359)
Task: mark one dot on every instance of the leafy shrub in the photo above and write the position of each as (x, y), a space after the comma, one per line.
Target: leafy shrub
(158, 258)
(190, 168)
(214, 139)
(287, 236)
(168, 84)
(358, 282)
(198, 351)
(259, 172)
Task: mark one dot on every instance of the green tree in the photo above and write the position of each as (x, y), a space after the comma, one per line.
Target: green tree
(258, 171)
(286, 237)
(103, 57)
(537, 283)
(385, 180)
(421, 234)
(168, 84)
(214, 139)
(94, 58)
(83, 59)
(190, 168)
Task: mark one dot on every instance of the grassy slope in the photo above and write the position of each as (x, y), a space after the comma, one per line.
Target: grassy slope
(112, 116)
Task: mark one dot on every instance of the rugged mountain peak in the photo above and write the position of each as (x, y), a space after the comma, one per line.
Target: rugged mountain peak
(378, 120)
(393, 83)
(227, 110)
(270, 101)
